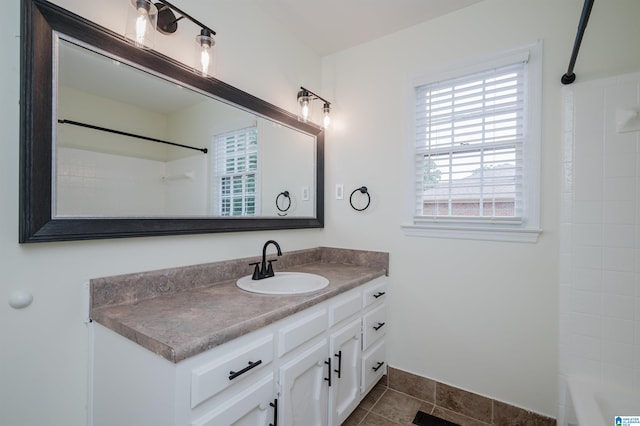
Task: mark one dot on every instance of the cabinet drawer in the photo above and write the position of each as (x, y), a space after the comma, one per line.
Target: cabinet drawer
(375, 292)
(301, 329)
(348, 305)
(374, 366)
(230, 368)
(374, 326)
(251, 404)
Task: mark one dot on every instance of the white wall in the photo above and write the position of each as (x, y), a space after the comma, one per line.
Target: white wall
(43, 348)
(478, 315)
(600, 238)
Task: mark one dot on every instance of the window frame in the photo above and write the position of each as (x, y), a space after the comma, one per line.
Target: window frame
(217, 177)
(527, 230)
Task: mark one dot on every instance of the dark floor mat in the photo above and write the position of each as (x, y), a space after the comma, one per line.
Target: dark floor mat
(424, 419)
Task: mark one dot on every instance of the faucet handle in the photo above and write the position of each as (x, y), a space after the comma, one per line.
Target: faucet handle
(256, 271)
(269, 272)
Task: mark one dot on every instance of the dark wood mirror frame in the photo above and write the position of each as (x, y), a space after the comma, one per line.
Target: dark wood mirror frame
(39, 21)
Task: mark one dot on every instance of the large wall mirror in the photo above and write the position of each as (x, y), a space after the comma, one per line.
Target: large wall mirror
(122, 142)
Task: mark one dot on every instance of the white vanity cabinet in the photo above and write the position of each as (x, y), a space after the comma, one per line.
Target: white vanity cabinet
(310, 369)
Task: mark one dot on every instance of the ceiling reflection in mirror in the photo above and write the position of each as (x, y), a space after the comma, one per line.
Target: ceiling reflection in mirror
(129, 143)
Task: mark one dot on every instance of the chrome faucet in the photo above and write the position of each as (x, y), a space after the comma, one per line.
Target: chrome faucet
(262, 270)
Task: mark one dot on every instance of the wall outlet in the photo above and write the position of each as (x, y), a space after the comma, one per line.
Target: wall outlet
(305, 193)
(339, 191)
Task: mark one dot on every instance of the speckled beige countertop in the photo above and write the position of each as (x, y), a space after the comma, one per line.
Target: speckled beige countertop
(178, 313)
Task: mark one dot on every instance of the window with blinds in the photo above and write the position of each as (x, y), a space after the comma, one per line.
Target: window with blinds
(469, 136)
(236, 170)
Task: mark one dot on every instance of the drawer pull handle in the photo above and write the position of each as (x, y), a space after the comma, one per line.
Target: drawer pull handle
(377, 367)
(379, 294)
(339, 370)
(274, 404)
(328, 379)
(379, 326)
(234, 374)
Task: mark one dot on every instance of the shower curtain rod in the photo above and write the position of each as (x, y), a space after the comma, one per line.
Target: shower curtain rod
(119, 132)
(570, 77)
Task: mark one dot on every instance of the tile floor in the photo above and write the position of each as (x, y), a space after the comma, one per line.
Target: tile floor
(384, 406)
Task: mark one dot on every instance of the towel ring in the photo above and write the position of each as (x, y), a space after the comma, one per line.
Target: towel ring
(363, 190)
(284, 194)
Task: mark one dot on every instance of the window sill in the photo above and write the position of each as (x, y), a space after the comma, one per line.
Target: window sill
(473, 232)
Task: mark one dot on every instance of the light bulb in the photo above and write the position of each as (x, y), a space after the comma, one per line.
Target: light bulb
(204, 51)
(305, 107)
(326, 119)
(205, 59)
(141, 27)
(141, 23)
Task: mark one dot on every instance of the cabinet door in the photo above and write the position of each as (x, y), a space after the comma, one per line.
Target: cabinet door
(303, 385)
(250, 407)
(344, 392)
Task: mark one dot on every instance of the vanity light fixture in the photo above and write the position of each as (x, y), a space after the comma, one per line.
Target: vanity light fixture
(145, 17)
(305, 96)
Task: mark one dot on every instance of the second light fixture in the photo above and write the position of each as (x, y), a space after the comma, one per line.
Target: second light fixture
(305, 96)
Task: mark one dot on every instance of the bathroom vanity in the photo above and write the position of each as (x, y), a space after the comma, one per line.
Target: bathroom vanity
(217, 355)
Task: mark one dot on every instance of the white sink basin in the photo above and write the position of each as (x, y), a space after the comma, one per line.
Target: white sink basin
(284, 283)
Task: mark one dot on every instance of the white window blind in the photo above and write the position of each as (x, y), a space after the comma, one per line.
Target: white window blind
(469, 136)
(236, 168)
